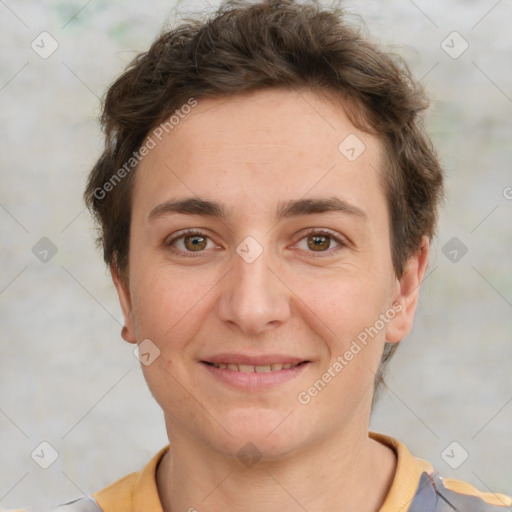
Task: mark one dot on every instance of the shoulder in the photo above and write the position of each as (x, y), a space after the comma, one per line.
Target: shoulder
(438, 494)
(139, 487)
(418, 487)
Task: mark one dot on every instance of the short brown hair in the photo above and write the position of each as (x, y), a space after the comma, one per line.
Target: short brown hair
(244, 47)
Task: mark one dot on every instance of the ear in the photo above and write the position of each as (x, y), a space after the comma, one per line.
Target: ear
(406, 294)
(122, 285)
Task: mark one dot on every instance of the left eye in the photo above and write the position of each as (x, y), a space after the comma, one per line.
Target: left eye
(320, 241)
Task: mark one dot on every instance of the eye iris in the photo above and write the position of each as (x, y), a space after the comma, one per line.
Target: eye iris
(196, 242)
(318, 242)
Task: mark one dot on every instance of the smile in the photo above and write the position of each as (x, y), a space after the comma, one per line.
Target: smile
(254, 377)
(249, 368)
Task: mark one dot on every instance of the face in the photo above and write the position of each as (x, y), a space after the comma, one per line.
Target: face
(260, 270)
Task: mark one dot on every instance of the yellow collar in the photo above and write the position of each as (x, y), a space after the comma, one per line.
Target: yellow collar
(138, 492)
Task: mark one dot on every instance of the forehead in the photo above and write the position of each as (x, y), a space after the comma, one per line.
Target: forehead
(301, 117)
(264, 143)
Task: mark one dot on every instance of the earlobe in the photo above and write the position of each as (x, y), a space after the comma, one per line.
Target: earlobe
(407, 294)
(123, 292)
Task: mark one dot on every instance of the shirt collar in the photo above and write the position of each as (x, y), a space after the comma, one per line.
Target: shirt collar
(140, 489)
(407, 476)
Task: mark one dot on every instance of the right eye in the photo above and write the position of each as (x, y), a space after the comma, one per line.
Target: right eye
(189, 241)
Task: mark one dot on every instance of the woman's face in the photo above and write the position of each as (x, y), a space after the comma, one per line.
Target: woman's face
(296, 270)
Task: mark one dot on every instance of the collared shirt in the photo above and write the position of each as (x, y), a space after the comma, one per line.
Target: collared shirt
(416, 487)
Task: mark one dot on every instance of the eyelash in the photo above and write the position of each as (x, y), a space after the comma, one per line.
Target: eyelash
(321, 232)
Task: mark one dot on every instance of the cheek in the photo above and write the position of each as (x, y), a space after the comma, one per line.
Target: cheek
(163, 303)
(348, 318)
(167, 311)
(348, 304)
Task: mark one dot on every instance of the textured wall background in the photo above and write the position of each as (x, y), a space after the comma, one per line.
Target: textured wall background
(67, 378)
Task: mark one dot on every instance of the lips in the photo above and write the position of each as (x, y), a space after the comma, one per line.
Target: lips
(253, 374)
(244, 363)
(249, 368)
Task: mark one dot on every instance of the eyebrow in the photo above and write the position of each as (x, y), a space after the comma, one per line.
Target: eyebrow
(285, 210)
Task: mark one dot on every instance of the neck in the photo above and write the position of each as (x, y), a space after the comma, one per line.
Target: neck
(352, 473)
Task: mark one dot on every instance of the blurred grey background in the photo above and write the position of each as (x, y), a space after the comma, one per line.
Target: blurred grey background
(67, 378)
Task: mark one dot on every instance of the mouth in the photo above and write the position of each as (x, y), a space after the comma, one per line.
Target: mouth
(253, 374)
(249, 368)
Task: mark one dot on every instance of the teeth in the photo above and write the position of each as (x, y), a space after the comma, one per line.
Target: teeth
(249, 368)
(262, 369)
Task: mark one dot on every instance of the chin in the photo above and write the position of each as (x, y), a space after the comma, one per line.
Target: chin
(270, 434)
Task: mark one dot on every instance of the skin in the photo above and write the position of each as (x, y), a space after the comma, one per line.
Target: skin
(250, 153)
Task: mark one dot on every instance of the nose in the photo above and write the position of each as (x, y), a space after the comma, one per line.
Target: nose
(253, 297)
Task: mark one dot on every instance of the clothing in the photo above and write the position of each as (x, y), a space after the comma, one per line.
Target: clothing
(416, 487)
